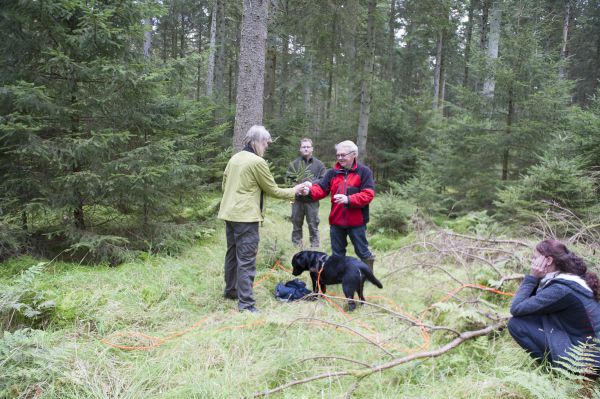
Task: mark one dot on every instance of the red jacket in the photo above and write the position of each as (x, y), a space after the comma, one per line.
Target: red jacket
(357, 183)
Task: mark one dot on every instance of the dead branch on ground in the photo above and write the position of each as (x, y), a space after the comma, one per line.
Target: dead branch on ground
(362, 373)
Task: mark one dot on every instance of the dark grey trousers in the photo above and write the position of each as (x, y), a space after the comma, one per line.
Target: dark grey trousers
(310, 210)
(240, 261)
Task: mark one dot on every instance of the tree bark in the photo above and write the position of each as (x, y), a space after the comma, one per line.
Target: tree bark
(365, 92)
(509, 120)
(391, 40)
(199, 71)
(220, 60)
(468, 38)
(437, 73)
(251, 66)
(147, 37)
(182, 36)
(284, 75)
(489, 85)
(269, 93)
(483, 32)
(562, 73)
(210, 74)
(331, 60)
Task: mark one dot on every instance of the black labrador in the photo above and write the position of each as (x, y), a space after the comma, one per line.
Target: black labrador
(324, 270)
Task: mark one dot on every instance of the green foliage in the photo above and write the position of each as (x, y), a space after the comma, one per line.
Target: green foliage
(424, 191)
(392, 213)
(476, 223)
(87, 124)
(29, 363)
(555, 180)
(22, 305)
(11, 238)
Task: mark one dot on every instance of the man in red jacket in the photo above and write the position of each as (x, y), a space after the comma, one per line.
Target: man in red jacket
(352, 189)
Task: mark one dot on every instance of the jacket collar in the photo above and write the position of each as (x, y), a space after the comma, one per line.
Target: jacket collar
(249, 149)
(573, 281)
(339, 168)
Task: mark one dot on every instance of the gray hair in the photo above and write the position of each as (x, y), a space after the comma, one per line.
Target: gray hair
(256, 134)
(348, 145)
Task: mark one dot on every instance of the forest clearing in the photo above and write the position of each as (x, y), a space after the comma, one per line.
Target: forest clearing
(150, 151)
(114, 332)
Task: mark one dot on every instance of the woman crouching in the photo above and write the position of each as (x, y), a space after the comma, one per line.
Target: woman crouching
(556, 307)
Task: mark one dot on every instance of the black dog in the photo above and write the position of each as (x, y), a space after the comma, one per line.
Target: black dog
(324, 269)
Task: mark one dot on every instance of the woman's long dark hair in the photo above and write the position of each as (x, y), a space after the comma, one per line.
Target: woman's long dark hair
(567, 262)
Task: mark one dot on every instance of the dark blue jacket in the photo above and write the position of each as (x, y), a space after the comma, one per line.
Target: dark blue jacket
(569, 312)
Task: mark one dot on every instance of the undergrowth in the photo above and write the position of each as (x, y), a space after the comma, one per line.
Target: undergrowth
(209, 350)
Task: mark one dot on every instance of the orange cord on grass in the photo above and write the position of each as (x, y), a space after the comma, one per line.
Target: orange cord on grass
(158, 341)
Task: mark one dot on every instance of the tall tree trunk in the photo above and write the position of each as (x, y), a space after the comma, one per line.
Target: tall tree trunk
(165, 44)
(251, 75)
(306, 83)
(210, 74)
(437, 73)
(365, 92)
(182, 36)
(468, 38)
(489, 85)
(509, 121)
(199, 68)
(562, 73)
(270, 68)
(147, 37)
(596, 71)
(284, 74)
(391, 45)
(484, 28)
(220, 60)
(173, 19)
(332, 53)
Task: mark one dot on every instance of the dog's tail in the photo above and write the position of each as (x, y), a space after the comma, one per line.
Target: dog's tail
(371, 277)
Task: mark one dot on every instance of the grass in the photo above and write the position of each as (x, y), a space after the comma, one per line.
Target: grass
(231, 355)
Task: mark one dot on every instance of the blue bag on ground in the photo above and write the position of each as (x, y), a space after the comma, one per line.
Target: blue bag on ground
(291, 291)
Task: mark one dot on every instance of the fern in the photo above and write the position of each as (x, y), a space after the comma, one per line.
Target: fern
(22, 305)
(581, 361)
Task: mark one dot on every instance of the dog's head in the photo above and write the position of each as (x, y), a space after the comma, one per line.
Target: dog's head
(307, 260)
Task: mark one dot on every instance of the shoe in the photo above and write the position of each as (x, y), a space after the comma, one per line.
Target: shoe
(250, 309)
(230, 296)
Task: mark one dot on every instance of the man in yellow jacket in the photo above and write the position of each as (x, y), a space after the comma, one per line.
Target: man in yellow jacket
(246, 180)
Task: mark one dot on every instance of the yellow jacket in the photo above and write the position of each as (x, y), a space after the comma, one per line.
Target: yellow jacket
(246, 178)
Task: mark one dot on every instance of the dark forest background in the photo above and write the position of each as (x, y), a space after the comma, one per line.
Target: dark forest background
(116, 117)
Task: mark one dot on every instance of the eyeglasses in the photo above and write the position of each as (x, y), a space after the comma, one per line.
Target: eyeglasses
(306, 146)
(343, 155)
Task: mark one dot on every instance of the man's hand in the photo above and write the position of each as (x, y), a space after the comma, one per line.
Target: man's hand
(302, 188)
(340, 199)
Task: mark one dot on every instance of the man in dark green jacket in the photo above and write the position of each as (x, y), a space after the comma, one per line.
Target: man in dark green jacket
(246, 179)
(305, 168)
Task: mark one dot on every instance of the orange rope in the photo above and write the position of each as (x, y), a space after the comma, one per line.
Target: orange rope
(158, 341)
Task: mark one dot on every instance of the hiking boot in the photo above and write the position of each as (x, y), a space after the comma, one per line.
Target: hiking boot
(230, 296)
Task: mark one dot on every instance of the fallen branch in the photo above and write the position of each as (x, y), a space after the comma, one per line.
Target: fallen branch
(359, 374)
(516, 242)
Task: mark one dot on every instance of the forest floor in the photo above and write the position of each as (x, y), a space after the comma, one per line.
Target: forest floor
(159, 327)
